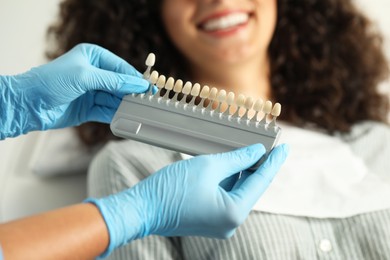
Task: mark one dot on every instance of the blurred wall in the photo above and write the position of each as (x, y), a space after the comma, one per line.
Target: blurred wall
(23, 24)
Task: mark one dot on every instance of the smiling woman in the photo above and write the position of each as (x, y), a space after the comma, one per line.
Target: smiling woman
(322, 60)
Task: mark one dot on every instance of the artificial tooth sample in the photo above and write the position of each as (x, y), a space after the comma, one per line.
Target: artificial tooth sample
(177, 88)
(221, 97)
(212, 96)
(150, 61)
(194, 93)
(276, 110)
(186, 91)
(153, 77)
(153, 80)
(248, 106)
(258, 106)
(267, 108)
(239, 103)
(230, 101)
(169, 86)
(160, 84)
(204, 94)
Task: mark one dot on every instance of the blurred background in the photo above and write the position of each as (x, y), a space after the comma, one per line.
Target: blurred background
(46, 170)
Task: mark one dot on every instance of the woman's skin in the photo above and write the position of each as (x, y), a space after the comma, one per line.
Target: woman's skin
(238, 52)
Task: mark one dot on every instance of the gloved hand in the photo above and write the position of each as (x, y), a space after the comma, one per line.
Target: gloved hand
(85, 84)
(186, 198)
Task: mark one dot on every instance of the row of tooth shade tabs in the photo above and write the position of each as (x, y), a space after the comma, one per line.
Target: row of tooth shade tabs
(210, 98)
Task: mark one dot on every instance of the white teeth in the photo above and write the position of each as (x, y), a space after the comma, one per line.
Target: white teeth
(225, 22)
(258, 105)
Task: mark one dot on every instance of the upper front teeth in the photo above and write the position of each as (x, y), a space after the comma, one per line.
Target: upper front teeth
(226, 21)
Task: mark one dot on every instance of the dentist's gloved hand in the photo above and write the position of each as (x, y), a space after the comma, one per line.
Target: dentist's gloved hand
(186, 198)
(85, 84)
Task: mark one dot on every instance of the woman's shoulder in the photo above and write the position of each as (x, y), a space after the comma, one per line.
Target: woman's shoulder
(371, 141)
(368, 131)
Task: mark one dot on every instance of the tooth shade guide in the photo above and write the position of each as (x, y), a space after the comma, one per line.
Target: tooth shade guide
(191, 129)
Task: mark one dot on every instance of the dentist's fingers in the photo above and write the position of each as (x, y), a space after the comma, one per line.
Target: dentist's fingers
(253, 185)
(230, 163)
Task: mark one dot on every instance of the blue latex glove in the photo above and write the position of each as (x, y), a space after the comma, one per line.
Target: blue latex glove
(186, 198)
(85, 84)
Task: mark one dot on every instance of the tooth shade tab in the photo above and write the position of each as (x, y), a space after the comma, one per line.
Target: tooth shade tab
(187, 88)
(169, 84)
(150, 60)
(276, 110)
(224, 22)
(267, 107)
(195, 89)
(161, 82)
(240, 100)
(230, 98)
(178, 86)
(248, 103)
(153, 77)
(258, 105)
(221, 95)
(205, 92)
(213, 93)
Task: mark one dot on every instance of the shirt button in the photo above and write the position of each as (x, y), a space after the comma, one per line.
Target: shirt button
(325, 245)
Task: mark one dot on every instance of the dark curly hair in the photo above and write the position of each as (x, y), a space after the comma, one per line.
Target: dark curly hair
(326, 59)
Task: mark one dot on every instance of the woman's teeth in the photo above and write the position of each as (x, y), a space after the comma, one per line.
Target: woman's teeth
(225, 22)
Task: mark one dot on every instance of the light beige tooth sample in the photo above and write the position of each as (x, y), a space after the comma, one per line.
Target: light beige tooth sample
(187, 88)
(258, 106)
(230, 98)
(150, 60)
(240, 101)
(267, 107)
(213, 93)
(205, 92)
(169, 84)
(221, 96)
(153, 77)
(276, 110)
(195, 90)
(178, 86)
(161, 82)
